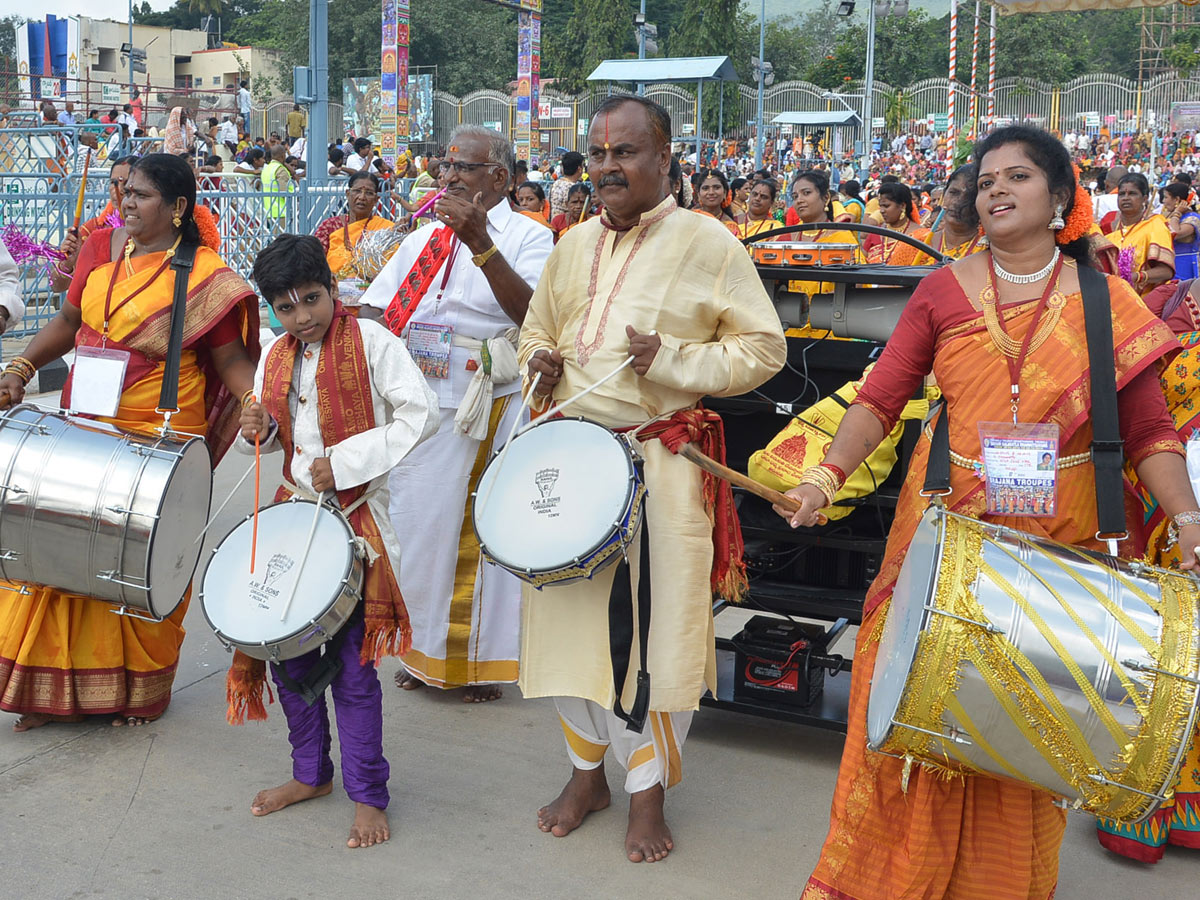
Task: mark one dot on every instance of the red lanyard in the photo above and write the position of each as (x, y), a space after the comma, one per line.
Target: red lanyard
(1016, 365)
(454, 242)
(112, 283)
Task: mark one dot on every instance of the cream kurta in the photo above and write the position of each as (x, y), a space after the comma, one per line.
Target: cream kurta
(406, 413)
(686, 277)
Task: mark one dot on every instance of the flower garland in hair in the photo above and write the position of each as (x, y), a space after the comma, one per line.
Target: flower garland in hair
(206, 224)
(25, 250)
(1080, 218)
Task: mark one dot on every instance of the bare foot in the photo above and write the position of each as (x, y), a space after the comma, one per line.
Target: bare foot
(586, 792)
(648, 839)
(407, 681)
(482, 693)
(370, 826)
(133, 721)
(30, 721)
(275, 799)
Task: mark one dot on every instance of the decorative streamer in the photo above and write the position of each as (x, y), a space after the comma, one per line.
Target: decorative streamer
(974, 73)
(953, 71)
(26, 251)
(991, 89)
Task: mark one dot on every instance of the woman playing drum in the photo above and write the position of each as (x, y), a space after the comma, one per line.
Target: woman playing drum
(63, 656)
(1012, 315)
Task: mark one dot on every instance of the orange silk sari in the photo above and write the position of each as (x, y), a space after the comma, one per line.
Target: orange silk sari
(340, 254)
(965, 838)
(67, 654)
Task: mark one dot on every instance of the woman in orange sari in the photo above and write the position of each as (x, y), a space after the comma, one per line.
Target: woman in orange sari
(64, 656)
(900, 832)
(757, 218)
(341, 235)
(1145, 247)
(813, 204)
(60, 275)
(713, 197)
(959, 235)
(899, 214)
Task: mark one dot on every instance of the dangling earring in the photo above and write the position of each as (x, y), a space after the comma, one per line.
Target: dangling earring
(1057, 223)
(176, 221)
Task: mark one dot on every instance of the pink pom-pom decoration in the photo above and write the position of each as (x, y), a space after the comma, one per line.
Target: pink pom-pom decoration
(114, 220)
(1125, 264)
(26, 251)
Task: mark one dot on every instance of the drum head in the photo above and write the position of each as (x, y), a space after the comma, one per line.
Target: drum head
(558, 495)
(905, 621)
(174, 552)
(245, 608)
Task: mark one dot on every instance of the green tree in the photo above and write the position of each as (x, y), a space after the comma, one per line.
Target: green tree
(596, 30)
(718, 28)
(205, 7)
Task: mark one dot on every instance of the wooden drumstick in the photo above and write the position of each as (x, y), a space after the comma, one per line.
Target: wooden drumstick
(710, 465)
(312, 529)
(257, 485)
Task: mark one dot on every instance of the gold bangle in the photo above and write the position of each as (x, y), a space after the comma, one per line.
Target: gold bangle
(248, 398)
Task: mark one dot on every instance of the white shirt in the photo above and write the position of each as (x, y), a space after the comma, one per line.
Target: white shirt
(10, 287)
(468, 304)
(406, 413)
(243, 100)
(127, 119)
(227, 133)
(299, 148)
(354, 163)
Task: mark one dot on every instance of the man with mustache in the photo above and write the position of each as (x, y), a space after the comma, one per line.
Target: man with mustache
(457, 290)
(678, 293)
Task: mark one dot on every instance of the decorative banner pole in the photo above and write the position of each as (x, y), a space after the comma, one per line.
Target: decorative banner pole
(393, 81)
(974, 72)
(953, 69)
(991, 88)
(529, 67)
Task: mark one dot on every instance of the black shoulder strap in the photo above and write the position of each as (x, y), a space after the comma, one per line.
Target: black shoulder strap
(937, 469)
(1108, 457)
(620, 633)
(181, 266)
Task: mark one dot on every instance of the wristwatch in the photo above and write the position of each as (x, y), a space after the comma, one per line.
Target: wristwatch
(480, 259)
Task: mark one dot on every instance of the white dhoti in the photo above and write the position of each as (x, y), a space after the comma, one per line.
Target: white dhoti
(465, 612)
(650, 758)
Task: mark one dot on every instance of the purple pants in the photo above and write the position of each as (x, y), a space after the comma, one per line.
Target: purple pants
(358, 703)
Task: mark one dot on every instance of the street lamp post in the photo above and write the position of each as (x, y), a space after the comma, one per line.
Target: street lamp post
(868, 91)
(317, 168)
(762, 55)
(130, 59)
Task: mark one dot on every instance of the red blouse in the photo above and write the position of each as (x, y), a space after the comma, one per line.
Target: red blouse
(938, 304)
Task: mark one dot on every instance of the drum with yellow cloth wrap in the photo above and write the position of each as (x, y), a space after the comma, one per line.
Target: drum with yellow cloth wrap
(1022, 658)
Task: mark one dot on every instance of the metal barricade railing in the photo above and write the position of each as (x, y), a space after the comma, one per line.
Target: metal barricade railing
(42, 206)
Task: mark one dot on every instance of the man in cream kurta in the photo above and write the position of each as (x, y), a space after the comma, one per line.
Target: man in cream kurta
(465, 613)
(679, 293)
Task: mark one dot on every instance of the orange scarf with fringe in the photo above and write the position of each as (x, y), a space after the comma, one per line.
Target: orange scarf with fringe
(344, 409)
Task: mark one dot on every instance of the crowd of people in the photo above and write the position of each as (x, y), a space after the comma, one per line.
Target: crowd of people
(620, 278)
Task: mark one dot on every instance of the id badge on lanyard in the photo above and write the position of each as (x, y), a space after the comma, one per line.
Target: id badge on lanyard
(98, 380)
(429, 345)
(1020, 468)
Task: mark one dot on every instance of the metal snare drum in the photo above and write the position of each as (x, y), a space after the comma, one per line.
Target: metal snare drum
(562, 503)
(89, 509)
(1026, 659)
(247, 611)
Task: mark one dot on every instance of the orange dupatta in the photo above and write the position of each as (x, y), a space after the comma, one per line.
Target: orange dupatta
(344, 408)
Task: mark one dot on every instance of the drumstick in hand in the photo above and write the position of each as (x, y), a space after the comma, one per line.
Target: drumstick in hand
(257, 483)
(710, 465)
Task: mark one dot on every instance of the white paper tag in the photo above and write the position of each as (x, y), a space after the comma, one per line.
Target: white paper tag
(429, 345)
(1020, 464)
(97, 380)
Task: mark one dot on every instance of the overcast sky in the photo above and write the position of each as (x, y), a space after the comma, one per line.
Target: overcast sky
(97, 9)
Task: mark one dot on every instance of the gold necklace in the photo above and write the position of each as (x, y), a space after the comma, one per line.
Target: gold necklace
(1007, 345)
(170, 252)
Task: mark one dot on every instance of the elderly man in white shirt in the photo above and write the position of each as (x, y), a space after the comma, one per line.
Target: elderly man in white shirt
(453, 286)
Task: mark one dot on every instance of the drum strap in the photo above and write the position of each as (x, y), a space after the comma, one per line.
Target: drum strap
(181, 266)
(620, 633)
(1108, 457)
(937, 471)
(317, 679)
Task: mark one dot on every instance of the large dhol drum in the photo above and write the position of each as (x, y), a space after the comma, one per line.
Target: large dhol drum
(89, 509)
(1030, 660)
(290, 605)
(560, 504)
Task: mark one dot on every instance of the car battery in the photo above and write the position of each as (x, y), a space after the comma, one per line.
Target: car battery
(771, 663)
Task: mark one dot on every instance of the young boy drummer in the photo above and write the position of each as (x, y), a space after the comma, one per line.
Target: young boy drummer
(345, 402)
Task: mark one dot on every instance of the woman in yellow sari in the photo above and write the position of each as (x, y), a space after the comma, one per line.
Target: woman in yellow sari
(64, 656)
(341, 235)
(757, 218)
(905, 831)
(1146, 249)
(959, 235)
(813, 203)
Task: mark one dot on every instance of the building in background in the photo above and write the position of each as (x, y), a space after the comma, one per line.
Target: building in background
(80, 58)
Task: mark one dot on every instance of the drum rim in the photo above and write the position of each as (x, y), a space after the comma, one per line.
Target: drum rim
(184, 447)
(631, 496)
(345, 579)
